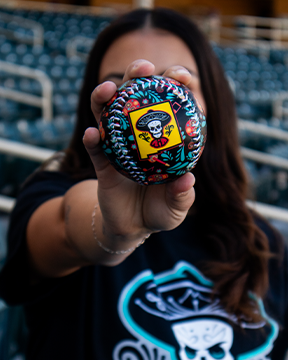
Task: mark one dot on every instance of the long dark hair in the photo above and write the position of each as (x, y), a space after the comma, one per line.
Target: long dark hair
(239, 249)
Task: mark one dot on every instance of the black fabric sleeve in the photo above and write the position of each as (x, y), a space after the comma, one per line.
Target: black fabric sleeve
(15, 287)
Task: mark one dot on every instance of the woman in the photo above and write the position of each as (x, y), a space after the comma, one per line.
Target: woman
(209, 283)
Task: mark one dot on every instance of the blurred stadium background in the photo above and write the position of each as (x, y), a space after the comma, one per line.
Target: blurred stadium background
(43, 52)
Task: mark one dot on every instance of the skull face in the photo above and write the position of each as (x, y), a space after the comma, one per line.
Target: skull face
(204, 339)
(155, 128)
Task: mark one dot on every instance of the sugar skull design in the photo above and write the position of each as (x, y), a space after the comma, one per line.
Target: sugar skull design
(204, 339)
(148, 118)
(154, 121)
(173, 317)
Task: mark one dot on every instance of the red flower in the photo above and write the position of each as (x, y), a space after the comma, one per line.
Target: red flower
(112, 100)
(132, 104)
(102, 131)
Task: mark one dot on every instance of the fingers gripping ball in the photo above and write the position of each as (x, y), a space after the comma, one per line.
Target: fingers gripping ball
(153, 130)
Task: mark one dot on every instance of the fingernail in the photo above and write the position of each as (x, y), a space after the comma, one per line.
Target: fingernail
(98, 87)
(84, 135)
(182, 71)
(138, 63)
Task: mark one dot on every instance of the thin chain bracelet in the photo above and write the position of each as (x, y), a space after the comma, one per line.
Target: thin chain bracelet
(117, 252)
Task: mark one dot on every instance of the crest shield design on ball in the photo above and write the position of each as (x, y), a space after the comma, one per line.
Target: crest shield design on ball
(153, 130)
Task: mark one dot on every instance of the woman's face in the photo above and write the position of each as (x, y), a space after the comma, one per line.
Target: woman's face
(160, 47)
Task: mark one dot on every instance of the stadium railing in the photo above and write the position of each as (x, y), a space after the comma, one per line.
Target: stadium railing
(44, 101)
(250, 32)
(262, 129)
(66, 8)
(37, 38)
(72, 48)
(259, 156)
(278, 108)
(252, 29)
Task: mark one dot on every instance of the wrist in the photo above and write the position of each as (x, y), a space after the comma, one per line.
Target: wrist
(115, 244)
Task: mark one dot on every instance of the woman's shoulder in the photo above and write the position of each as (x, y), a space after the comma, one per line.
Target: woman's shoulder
(45, 183)
(49, 172)
(53, 164)
(51, 168)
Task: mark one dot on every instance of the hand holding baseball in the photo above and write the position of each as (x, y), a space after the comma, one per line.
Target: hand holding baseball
(130, 209)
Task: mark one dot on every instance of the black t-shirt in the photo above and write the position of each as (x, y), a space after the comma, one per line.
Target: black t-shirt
(156, 305)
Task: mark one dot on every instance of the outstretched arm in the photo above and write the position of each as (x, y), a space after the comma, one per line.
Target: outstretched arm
(59, 234)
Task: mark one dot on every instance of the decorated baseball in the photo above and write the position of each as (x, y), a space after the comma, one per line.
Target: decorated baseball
(153, 130)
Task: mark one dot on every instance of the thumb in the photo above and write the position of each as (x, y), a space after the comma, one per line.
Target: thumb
(91, 141)
(180, 194)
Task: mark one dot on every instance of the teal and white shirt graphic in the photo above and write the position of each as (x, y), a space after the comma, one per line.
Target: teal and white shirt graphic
(170, 315)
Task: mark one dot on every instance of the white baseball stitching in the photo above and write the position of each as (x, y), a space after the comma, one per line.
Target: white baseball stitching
(125, 160)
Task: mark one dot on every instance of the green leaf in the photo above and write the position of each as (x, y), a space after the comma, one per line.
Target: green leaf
(166, 156)
(181, 172)
(182, 154)
(177, 167)
(124, 125)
